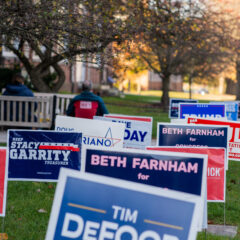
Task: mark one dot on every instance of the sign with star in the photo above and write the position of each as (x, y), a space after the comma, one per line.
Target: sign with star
(95, 132)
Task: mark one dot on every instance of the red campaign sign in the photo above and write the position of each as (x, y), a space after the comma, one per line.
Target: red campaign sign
(234, 138)
(126, 117)
(3, 181)
(215, 170)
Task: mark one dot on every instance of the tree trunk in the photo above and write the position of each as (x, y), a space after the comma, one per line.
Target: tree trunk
(101, 70)
(238, 78)
(36, 73)
(38, 83)
(165, 92)
(36, 77)
(190, 87)
(61, 77)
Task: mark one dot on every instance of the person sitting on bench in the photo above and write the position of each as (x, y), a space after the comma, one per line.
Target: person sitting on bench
(86, 104)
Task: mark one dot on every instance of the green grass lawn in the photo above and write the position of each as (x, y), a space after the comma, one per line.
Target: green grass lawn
(29, 203)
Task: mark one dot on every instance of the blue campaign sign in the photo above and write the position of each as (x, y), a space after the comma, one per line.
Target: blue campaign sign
(231, 110)
(119, 210)
(174, 106)
(39, 155)
(202, 110)
(193, 136)
(176, 171)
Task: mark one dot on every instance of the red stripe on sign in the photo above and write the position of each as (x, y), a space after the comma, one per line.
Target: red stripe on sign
(130, 118)
(74, 149)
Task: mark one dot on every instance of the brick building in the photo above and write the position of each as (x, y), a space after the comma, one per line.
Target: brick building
(74, 73)
(78, 72)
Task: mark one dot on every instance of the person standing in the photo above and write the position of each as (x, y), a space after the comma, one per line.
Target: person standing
(86, 104)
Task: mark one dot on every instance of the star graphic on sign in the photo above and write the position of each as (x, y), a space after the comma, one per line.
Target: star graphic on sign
(109, 136)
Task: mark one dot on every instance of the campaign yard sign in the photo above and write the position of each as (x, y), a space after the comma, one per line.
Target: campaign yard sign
(122, 116)
(231, 110)
(95, 132)
(174, 106)
(186, 135)
(166, 170)
(39, 155)
(234, 135)
(216, 173)
(138, 130)
(3, 180)
(201, 110)
(115, 209)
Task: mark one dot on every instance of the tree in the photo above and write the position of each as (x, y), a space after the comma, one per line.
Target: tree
(174, 37)
(58, 30)
(228, 12)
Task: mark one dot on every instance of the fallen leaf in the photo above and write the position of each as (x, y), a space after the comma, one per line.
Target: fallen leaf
(42, 210)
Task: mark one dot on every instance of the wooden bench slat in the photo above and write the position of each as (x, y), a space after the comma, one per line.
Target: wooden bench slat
(41, 108)
(26, 112)
(14, 113)
(2, 111)
(20, 111)
(38, 112)
(8, 110)
(62, 106)
(33, 112)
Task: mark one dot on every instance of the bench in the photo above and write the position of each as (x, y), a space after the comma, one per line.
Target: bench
(42, 109)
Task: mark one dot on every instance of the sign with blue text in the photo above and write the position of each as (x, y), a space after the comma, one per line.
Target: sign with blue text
(39, 155)
(138, 130)
(231, 110)
(121, 210)
(95, 132)
(174, 106)
(201, 110)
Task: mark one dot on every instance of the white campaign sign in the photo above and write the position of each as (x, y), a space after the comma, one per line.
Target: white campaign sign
(138, 131)
(95, 132)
